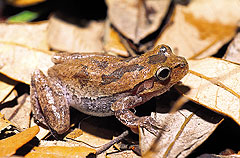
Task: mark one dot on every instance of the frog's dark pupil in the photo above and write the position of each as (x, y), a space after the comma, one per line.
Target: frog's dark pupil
(163, 73)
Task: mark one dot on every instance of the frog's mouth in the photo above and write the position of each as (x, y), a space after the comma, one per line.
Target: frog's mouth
(145, 85)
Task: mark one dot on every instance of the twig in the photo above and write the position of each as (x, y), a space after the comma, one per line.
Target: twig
(112, 142)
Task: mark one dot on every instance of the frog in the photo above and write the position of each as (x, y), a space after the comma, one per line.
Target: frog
(101, 85)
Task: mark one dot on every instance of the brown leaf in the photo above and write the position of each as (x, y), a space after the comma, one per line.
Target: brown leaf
(66, 36)
(112, 42)
(9, 145)
(214, 83)
(60, 151)
(183, 131)
(18, 62)
(136, 19)
(32, 35)
(19, 114)
(201, 28)
(233, 51)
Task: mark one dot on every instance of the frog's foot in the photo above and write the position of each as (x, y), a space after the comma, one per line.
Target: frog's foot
(150, 124)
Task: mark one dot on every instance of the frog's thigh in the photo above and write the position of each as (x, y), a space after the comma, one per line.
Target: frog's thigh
(49, 104)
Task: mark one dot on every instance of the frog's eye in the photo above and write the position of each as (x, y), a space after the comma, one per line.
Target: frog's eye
(163, 73)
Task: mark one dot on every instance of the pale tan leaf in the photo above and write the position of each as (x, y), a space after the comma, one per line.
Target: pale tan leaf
(183, 131)
(18, 62)
(19, 115)
(123, 154)
(233, 51)
(137, 19)
(70, 37)
(214, 83)
(201, 28)
(112, 42)
(32, 35)
(6, 87)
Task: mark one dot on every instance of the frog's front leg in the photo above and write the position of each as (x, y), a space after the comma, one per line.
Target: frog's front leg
(123, 114)
(49, 104)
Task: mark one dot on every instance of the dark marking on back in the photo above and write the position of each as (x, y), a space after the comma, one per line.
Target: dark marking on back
(155, 59)
(131, 58)
(118, 73)
(101, 64)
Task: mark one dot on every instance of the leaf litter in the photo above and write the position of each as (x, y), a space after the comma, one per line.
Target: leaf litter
(196, 32)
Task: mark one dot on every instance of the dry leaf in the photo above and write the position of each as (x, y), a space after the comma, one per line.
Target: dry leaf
(18, 62)
(24, 3)
(136, 19)
(75, 133)
(123, 154)
(184, 131)
(214, 83)
(233, 51)
(32, 35)
(201, 28)
(112, 42)
(60, 151)
(59, 148)
(4, 122)
(42, 131)
(66, 36)
(5, 89)
(8, 146)
(19, 115)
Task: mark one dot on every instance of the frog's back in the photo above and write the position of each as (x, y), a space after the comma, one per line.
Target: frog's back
(102, 75)
(94, 76)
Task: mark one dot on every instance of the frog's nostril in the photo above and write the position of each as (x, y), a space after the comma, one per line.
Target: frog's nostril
(182, 65)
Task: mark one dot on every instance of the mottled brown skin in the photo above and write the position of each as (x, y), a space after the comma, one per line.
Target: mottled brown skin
(103, 85)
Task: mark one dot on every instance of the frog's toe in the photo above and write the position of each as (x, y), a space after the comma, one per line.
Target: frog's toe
(150, 124)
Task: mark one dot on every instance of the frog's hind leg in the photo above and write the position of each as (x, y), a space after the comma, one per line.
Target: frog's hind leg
(49, 105)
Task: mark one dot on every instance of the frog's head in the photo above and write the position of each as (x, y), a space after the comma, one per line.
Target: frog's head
(166, 69)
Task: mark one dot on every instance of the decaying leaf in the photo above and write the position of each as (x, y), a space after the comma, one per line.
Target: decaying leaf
(233, 51)
(183, 131)
(9, 145)
(18, 62)
(19, 114)
(215, 83)
(112, 42)
(60, 151)
(201, 28)
(137, 19)
(82, 36)
(32, 35)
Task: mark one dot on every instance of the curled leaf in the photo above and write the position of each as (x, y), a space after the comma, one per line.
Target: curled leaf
(214, 83)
